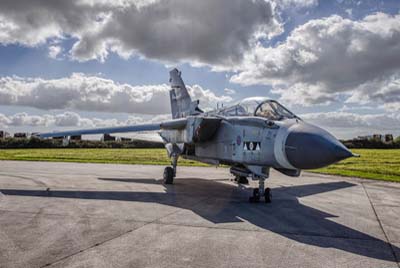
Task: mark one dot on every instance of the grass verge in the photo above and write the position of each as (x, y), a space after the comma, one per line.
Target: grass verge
(375, 164)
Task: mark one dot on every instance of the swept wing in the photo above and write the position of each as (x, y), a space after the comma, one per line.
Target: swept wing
(172, 124)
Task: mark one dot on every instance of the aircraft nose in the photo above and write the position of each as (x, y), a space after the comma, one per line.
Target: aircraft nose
(309, 147)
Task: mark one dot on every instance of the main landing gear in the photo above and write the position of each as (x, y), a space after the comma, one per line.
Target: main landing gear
(261, 192)
(170, 172)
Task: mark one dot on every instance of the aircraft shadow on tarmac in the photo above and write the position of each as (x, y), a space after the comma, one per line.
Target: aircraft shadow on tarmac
(225, 203)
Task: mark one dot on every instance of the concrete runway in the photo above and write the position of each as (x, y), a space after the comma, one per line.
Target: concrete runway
(94, 215)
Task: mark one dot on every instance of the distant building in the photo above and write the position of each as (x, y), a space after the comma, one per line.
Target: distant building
(21, 135)
(388, 138)
(108, 137)
(4, 134)
(123, 139)
(76, 138)
(364, 138)
(377, 137)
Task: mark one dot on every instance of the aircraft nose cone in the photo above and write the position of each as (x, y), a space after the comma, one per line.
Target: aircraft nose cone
(309, 147)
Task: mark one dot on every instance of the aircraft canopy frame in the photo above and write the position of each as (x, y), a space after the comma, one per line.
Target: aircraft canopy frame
(259, 107)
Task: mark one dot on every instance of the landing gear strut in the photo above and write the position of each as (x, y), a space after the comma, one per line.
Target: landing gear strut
(170, 172)
(261, 192)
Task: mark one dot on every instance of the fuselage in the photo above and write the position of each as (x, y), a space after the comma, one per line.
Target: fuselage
(251, 136)
(287, 144)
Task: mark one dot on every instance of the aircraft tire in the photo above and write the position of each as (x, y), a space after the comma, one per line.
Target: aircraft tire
(268, 195)
(168, 175)
(255, 198)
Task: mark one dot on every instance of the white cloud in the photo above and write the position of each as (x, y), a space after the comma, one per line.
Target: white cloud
(296, 3)
(4, 120)
(66, 119)
(23, 119)
(214, 32)
(71, 119)
(349, 125)
(207, 96)
(229, 91)
(54, 51)
(379, 91)
(330, 56)
(92, 93)
(304, 94)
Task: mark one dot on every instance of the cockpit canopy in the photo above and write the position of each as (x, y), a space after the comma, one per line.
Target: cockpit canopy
(260, 107)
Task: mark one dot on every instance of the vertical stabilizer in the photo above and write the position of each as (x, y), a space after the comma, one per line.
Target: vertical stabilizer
(181, 103)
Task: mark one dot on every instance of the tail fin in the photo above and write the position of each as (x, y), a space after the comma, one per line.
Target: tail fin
(181, 103)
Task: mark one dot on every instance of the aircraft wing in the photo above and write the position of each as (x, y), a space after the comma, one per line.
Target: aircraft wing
(173, 124)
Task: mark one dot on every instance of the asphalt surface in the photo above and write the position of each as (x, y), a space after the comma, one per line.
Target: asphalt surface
(94, 215)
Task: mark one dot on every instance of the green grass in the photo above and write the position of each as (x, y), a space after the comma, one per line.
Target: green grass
(377, 164)
(111, 156)
(373, 164)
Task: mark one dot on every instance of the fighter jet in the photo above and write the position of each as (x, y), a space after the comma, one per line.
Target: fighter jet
(251, 137)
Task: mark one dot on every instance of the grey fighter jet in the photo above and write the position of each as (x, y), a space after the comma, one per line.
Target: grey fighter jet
(251, 137)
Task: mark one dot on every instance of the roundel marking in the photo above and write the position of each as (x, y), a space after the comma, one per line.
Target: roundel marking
(238, 140)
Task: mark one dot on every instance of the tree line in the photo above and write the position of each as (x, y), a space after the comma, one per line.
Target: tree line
(372, 144)
(22, 143)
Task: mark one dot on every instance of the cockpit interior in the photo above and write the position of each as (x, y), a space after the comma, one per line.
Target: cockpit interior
(259, 107)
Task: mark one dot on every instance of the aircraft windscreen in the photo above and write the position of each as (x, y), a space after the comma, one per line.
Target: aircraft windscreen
(272, 110)
(249, 105)
(259, 106)
(244, 108)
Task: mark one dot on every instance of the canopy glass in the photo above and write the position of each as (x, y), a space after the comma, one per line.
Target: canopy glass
(260, 107)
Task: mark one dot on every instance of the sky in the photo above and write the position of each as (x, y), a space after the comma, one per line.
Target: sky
(97, 63)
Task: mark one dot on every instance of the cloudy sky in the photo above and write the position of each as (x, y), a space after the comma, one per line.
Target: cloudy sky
(89, 63)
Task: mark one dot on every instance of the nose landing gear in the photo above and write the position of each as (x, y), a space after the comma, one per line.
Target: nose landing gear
(168, 176)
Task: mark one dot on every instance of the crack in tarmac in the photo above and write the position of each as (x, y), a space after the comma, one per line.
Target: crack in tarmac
(37, 182)
(113, 238)
(381, 226)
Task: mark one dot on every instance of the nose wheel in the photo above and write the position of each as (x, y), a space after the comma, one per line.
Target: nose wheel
(168, 175)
